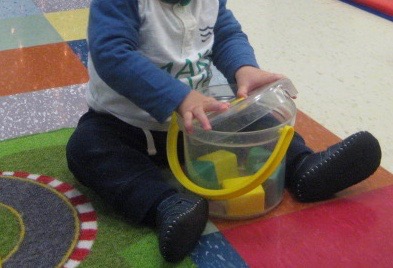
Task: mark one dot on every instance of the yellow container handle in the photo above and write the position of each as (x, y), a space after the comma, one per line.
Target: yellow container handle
(246, 184)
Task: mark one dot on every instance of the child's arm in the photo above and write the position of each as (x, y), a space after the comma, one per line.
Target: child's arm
(231, 49)
(113, 42)
(234, 56)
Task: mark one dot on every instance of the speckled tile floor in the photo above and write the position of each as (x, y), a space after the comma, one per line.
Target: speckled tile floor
(339, 57)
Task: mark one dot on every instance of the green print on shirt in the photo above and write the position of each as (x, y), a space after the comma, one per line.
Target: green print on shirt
(197, 74)
(188, 69)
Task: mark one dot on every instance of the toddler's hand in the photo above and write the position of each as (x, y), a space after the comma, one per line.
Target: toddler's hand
(195, 106)
(249, 78)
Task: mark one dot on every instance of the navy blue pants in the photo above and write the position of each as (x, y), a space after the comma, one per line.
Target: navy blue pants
(110, 157)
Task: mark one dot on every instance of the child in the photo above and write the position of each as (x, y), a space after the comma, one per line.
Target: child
(147, 59)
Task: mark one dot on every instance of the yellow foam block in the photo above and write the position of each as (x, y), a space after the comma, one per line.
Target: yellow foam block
(225, 164)
(249, 204)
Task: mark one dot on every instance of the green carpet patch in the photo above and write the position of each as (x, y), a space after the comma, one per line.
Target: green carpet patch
(137, 253)
(10, 230)
(36, 141)
(118, 243)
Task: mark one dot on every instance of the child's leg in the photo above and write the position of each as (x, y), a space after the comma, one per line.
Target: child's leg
(317, 176)
(296, 152)
(110, 157)
(106, 155)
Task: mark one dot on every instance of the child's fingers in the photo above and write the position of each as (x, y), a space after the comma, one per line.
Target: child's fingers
(199, 114)
(251, 84)
(187, 121)
(216, 106)
(213, 106)
(242, 92)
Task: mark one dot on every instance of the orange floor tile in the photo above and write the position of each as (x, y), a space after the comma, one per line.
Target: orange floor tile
(39, 67)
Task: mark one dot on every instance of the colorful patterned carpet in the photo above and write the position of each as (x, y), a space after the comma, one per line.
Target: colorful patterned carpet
(47, 219)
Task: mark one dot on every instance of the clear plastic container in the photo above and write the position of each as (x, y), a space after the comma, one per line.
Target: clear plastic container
(237, 149)
(244, 112)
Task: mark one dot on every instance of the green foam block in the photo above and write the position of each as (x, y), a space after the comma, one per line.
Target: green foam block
(203, 174)
(256, 157)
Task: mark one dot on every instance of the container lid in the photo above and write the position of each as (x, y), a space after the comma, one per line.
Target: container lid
(260, 102)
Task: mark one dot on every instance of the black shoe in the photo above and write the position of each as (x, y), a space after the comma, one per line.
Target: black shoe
(320, 175)
(181, 219)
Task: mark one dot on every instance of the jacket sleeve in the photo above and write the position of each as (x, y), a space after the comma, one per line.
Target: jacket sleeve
(231, 49)
(113, 32)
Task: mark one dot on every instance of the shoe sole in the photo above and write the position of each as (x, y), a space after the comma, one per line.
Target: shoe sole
(356, 159)
(183, 234)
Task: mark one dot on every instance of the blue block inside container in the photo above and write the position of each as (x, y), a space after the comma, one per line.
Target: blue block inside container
(203, 174)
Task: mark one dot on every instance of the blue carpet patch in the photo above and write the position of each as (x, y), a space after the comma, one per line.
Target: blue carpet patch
(215, 251)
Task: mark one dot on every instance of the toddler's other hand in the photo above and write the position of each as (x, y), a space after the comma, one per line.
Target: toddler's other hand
(249, 78)
(195, 106)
